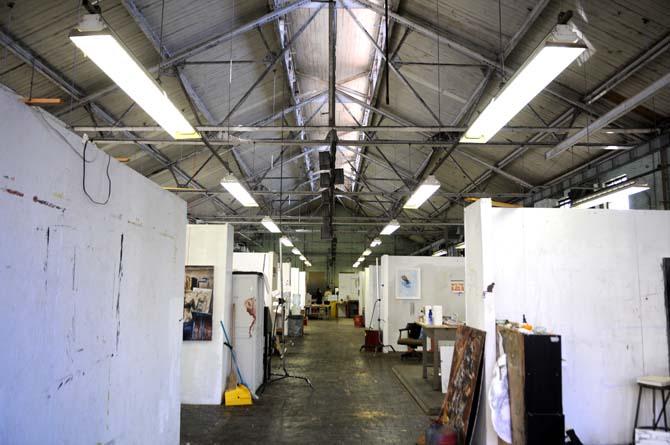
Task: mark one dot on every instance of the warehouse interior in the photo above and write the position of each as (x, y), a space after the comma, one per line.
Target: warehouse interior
(335, 221)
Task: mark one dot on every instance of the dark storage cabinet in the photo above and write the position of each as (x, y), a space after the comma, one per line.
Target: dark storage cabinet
(536, 393)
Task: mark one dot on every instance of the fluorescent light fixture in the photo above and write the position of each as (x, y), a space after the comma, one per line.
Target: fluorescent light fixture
(101, 47)
(376, 242)
(610, 194)
(308, 264)
(295, 251)
(441, 252)
(559, 49)
(422, 193)
(460, 246)
(235, 188)
(361, 259)
(391, 227)
(367, 252)
(611, 147)
(270, 225)
(356, 264)
(286, 241)
(302, 258)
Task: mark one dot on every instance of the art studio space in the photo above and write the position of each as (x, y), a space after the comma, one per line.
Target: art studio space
(335, 222)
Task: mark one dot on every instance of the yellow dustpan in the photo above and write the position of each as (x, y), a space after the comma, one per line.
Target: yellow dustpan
(236, 394)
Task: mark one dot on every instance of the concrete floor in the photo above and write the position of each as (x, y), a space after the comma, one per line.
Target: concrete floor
(356, 400)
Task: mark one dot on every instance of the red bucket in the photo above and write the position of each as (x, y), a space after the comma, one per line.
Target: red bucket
(358, 321)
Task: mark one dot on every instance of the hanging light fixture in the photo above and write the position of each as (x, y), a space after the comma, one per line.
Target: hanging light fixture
(361, 259)
(356, 264)
(556, 52)
(391, 227)
(102, 48)
(460, 246)
(295, 251)
(308, 264)
(367, 252)
(422, 193)
(302, 258)
(610, 194)
(376, 242)
(286, 241)
(239, 192)
(270, 225)
(441, 252)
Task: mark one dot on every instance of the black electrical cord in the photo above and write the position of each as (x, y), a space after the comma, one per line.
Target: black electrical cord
(83, 180)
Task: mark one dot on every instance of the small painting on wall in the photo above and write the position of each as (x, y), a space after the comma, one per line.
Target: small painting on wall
(408, 284)
(198, 302)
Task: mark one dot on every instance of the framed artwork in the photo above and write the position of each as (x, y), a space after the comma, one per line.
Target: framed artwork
(408, 284)
(198, 303)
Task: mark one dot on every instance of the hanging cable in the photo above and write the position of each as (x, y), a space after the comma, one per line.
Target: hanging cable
(160, 43)
(386, 47)
(500, 40)
(83, 180)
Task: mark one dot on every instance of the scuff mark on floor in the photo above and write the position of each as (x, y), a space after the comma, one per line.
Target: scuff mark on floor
(46, 264)
(13, 192)
(137, 223)
(118, 296)
(48, 204)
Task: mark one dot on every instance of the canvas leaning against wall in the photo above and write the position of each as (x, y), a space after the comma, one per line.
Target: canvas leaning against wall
(198, 302)
(408, 284)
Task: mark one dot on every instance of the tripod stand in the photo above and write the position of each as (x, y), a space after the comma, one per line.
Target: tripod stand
(284, 317)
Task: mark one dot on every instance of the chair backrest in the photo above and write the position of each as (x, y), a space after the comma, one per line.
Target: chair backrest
(414, 330)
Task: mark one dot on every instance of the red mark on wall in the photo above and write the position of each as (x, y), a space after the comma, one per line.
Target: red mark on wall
(14, 192)
(47, 203)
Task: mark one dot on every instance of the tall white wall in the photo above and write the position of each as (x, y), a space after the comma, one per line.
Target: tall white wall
(371, 308)
(594, 277)
(257, 262)
(92, 294)
(205, 364)
(362, 287)
(436, 276)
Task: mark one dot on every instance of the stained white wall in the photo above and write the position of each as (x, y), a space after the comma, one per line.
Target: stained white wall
(92, 294)
(436, 276)
(594, 277)
(361, 292)
(205, 364)
(257, 262)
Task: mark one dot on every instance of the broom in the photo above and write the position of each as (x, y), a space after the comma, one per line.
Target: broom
(235, 379)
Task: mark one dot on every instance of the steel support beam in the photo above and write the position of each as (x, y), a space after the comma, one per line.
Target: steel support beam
(612, 115)
(204, 45)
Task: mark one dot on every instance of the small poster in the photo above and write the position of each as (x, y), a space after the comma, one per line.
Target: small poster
(458, 286)
(198, 302)
(408, 284)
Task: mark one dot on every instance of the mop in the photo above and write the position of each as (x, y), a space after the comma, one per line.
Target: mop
(239, 393)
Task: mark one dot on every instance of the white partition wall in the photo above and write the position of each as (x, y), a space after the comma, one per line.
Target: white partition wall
(592, 276)
(92, 294)
(295, 289)
(205, 364)
(437, 275)
(348, 286)
(372, 308)
(361, 292)
(262, 262)
(302, 287)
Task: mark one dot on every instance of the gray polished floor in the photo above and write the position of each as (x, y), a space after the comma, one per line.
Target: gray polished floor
(356, 400)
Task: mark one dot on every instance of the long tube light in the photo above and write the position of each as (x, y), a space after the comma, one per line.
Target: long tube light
(460, 246)
(100, 46)
(361, 259)
(356, 264)
(441, 252)
(376, 242)
(295, 251)
(286, 241)
(270, 225)
(391, 227)
(239, 192)
(610, 194)
(422, 193)
(302, 258)
(308, 264)
(367, 252)
(558, 50)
